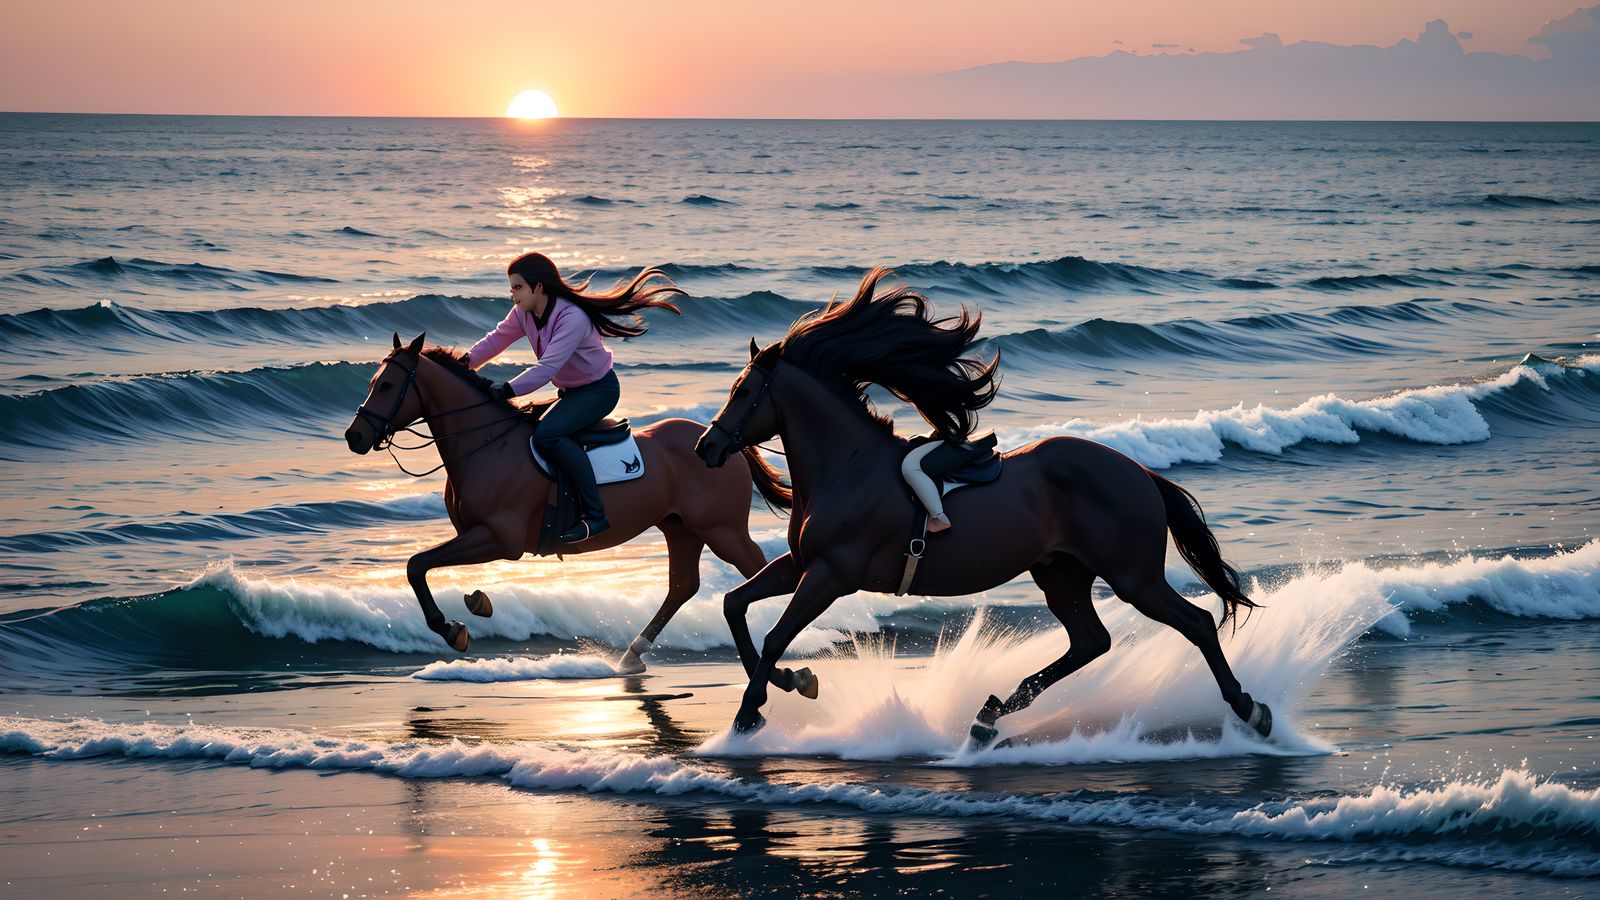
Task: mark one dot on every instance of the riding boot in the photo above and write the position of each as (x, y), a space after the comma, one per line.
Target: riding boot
(575, 464)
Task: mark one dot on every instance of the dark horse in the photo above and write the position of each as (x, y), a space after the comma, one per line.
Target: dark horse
(1064, 510)
(496, 497)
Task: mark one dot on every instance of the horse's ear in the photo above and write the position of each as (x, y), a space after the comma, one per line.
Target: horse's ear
(416, 346)
(397, 340)
(753, 348)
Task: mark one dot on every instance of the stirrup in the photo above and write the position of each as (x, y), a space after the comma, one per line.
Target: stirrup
(585, 529)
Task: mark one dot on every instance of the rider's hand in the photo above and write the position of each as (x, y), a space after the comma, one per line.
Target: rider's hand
(503, 391)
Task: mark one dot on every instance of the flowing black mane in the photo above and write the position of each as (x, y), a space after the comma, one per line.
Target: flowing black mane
(890, 341)
(451, 360)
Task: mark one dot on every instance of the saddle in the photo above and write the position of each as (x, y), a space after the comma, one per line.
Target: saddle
(604, 433)
(612, 453)
(955, 466)
(952, 467)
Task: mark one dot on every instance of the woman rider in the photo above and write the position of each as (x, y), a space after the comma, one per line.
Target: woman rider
(565, 325)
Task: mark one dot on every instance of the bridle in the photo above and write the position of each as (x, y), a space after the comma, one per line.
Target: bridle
(384, 425)
(387, 429)
(736, 435)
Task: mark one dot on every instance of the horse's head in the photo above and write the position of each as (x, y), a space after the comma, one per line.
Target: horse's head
(392, 400)
(750, 416)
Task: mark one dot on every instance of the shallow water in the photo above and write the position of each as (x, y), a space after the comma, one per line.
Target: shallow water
(1370, 350)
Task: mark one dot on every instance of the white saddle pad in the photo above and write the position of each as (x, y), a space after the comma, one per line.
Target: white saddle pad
(612, 463)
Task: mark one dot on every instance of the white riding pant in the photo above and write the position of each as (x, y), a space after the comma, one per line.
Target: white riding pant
(911, 469)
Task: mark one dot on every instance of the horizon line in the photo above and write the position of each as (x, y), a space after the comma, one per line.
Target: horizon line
(1393, 121)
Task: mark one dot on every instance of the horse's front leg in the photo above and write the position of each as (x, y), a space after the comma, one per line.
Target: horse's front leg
(478, 544)
(781, 576)
(817, 590)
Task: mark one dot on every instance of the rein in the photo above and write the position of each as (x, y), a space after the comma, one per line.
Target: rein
(737, 434)
(387, 430)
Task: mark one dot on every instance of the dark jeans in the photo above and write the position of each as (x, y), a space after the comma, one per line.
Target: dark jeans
(575, 410)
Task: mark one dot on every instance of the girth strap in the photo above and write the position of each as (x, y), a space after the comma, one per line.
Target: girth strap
(914, 548)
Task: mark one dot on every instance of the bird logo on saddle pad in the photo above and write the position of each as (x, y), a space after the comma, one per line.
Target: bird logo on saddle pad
(612, 462)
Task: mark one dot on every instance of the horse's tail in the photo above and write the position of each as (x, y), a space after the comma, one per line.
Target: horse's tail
(768, 480)
(1198, 547)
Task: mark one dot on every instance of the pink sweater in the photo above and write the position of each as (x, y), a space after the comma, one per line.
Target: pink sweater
(569, 348)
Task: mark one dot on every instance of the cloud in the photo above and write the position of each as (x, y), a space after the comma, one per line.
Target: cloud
(1430, 77)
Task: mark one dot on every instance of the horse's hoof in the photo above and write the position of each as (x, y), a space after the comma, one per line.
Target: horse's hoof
(982, 735)
(983, 731)
(630, 664)
(478, 604)
(747, 726)
(1261, 719)
(804, 683)
(455, 634)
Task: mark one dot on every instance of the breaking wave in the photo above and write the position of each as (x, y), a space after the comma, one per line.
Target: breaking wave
(1510, 819)
(1439, 414)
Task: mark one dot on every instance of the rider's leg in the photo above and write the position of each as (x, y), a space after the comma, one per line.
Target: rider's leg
(927, 492)
(577, 409)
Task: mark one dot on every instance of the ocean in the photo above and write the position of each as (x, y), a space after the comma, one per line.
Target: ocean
(1371, 351)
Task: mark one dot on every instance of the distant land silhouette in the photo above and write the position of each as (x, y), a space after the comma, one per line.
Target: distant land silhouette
(1429, 78)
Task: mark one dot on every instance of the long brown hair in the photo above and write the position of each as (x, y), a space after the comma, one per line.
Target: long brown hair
(614, 313)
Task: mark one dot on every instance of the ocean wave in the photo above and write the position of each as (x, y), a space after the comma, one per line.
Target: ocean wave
(559, 665)
(313, 400)
(995, 280)
(1370, 282)
(228, 619)
(251, 616)
(1533, 201)
(193, 403)
(1439, 414)
(297, 518)
(1511, 804)
(1063, 273)
(1265, 336)
(1565, 585)
(446, 319)
(109, 271)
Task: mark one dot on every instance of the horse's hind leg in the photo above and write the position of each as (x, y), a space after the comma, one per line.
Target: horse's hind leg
(1151, 595)
(1066, 583)
(734, 547)
(683, 580)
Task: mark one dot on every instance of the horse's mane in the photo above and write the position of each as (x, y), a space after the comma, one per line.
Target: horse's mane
(891, 341)
(452, 360)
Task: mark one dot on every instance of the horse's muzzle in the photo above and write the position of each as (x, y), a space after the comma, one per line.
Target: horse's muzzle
(712, 448)
(358, 442)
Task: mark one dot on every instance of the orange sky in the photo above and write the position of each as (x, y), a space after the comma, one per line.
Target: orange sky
(624, 57)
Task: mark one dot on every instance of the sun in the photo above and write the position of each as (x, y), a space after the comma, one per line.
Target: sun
(532, 105)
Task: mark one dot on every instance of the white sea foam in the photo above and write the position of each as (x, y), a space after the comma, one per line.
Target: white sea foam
(1513, 801)
(1439, 414)
(1565, 585)
(1151, 696)
(386, 616)
(559, 665)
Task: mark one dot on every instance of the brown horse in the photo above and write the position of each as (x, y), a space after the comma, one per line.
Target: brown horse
(496, 497)
(1064, 510)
